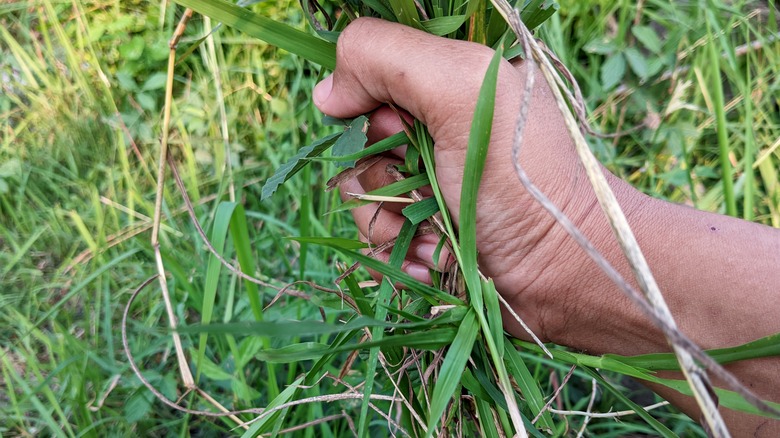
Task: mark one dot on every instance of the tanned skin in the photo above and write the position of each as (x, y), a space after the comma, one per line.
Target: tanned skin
(718, 274)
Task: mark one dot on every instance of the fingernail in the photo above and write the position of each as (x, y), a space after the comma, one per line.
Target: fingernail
(322, 91)
(424, 253)
(418, 272)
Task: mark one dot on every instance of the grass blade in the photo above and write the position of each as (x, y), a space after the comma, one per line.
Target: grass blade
(722, 130)
(476, 153)
(273, 32)
(452, 369)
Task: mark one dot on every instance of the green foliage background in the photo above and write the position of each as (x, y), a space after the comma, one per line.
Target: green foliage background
(80, 113)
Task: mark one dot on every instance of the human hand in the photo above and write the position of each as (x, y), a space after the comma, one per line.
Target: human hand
(437, 81)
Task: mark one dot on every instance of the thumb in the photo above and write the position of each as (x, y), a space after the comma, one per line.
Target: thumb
(381, 62)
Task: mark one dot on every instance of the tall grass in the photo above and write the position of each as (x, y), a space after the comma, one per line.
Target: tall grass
(76, 156)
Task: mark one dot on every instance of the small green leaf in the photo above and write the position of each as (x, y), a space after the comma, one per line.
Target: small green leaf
(351, 141)
(637, 62)
(422, 210)
(155, 82)
(648, 37)
(133, 49)
(612, 71)
(138, 406)
(601, 46)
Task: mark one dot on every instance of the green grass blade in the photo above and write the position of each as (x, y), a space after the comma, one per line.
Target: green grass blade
(287, 329)
(768, 346)
(660, 428)
(529, 386)
(405, 12)
(432, 339)
(428, 292)
(452, 369)
(273, 32)
(259, 426)
(493, 313)
(219, 231)
(476, 153)
(718, 102)
(397, 257)
(242, 244)
(422, 210)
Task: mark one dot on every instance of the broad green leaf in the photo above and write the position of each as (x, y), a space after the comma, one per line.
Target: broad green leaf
(637, 62)
(296, 163)
(648, 37)
(612, 71)
(351, 141)
(273, 32)
(422, 210)
(452, 369)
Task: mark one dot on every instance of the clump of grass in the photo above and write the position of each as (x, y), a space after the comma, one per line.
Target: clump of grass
(61, 355)
(481, 305)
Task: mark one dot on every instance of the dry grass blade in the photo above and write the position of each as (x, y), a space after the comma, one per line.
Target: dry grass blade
(184, 368)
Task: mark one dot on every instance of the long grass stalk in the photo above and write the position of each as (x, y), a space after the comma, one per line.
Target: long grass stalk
(718, 102)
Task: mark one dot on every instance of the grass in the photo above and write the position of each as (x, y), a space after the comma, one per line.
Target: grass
(80, 111)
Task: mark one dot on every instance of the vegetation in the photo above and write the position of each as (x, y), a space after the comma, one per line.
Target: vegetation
(81, 109)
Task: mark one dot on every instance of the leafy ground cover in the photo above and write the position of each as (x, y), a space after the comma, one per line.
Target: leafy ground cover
(81, 118)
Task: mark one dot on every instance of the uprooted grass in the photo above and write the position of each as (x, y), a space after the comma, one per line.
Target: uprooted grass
(61, 351)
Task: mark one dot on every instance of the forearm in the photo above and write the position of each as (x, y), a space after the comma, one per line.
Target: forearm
(719, 277)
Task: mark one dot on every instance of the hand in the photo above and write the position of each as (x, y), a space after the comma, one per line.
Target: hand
(718, 274)
(437, 81)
